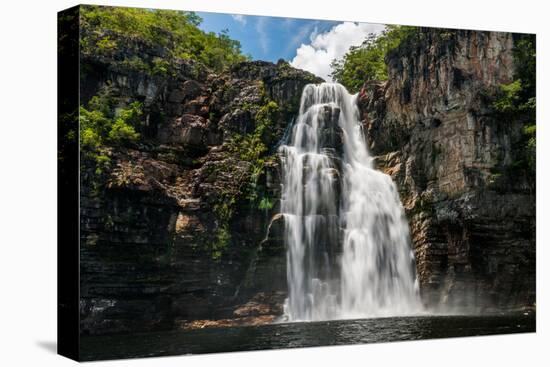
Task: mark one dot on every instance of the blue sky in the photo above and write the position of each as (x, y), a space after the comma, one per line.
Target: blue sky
(307, 44)
(265, 38)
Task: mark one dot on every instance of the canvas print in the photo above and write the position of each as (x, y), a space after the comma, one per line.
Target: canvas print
(235, 183)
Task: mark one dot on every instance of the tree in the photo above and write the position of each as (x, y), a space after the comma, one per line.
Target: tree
(367, 61)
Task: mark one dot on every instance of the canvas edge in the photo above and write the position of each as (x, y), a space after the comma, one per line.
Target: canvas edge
(68, 213)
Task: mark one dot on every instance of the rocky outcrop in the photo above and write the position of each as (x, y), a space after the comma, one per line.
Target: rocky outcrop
(179, 229)
(171, 227)
(432, 128)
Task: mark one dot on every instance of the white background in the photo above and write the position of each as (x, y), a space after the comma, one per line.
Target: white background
(28, 183)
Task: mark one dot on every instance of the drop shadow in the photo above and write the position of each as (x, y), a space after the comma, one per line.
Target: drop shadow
(48, 345)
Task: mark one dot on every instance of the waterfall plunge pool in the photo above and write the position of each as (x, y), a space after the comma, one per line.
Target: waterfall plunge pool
(302, 334)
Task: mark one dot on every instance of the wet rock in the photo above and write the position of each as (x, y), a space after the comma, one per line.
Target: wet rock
(262, 304)
(267, 271)
(224, 323)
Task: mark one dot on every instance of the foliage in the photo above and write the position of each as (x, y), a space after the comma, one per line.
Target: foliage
(223, 238)
(367, 61)
(224, 209)
(516, 101)
(525, 60)
(252, 147)
(176, 31)
(106, 45)
(265, 204)
(530, 142)
(103, 162)
(102, 125)
(99, 127)
(509, 97)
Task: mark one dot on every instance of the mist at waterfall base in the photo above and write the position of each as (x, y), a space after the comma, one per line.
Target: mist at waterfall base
(347, 239)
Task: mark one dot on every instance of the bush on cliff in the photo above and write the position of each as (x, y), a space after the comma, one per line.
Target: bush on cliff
(366, 62)
(516, 101)
(103, 125)
(98, 128)
(110, 28)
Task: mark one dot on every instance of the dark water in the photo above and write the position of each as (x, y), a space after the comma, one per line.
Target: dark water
(295, 335)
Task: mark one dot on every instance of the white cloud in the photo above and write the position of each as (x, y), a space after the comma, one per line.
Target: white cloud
(325, 47)
(239, 18)
(302, 32)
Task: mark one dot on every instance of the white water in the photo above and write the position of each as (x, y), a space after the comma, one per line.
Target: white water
(348, 247)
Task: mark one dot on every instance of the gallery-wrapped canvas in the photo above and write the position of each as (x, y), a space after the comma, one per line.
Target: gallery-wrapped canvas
(235, 183)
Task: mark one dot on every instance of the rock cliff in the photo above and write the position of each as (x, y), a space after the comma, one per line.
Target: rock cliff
(181, 227)
(171, 229)
(433, 129)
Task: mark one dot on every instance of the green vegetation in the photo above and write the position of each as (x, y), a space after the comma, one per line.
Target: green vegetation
(252, 148)
(508, 98)
(516, 101)
(101, 124)
(530, 141)
(265, 204)
(224, 210)
(367, 61)
(223, 238)
(111, 29)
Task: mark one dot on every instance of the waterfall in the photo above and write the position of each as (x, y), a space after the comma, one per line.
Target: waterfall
(347, 239)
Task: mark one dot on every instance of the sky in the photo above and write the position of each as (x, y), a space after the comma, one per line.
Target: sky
(307, 44)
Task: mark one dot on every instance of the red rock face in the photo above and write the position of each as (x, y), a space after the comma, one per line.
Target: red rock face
(434, 132)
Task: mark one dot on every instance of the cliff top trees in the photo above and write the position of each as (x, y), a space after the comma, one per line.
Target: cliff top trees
(110, 28)
(146, 41)
(366, 62)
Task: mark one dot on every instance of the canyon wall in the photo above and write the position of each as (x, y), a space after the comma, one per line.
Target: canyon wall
(471, 210)
(172, 227)
(182, 225)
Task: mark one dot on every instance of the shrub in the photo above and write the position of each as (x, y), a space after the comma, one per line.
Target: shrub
(99, 125)
(265, 204)
(516, 101)
(176, 31)
(367, 61)
(508, 99)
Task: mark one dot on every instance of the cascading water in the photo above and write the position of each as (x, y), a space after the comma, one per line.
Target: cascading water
(348, 247)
